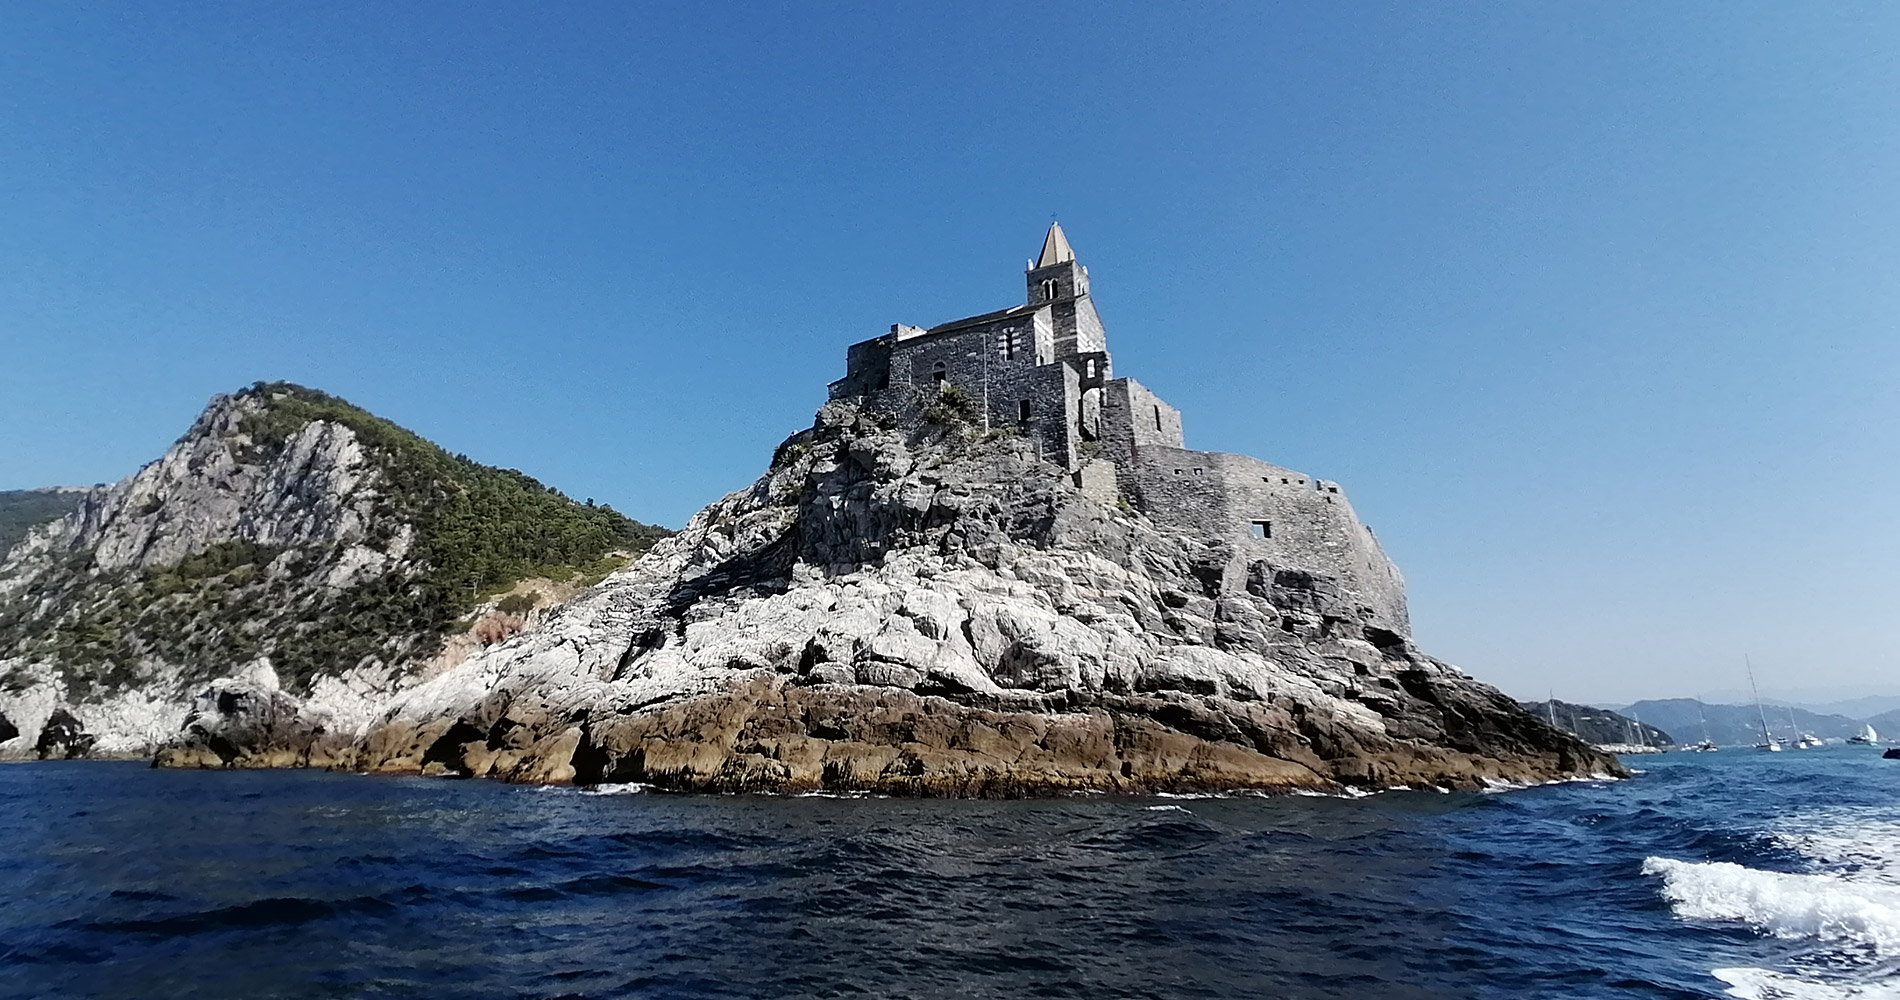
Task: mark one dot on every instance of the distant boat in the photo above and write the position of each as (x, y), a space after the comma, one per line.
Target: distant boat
(1768, 743)
(1866, 736)
(1801, 740)
(1706, 745)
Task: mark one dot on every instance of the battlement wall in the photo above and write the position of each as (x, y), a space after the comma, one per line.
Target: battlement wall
(1287, 519)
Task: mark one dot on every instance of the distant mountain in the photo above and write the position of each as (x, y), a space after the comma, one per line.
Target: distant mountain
(1855, 708)
(1739, 725)
(23, 510)
(1597, 725)
(288, 534)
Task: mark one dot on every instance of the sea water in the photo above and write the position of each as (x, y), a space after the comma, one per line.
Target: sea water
(1708, 875)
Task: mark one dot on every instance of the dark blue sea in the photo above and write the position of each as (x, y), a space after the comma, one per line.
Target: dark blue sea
(1725, 874)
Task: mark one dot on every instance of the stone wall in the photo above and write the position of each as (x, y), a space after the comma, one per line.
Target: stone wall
(1287, 519)
(1004, 361)
(1133, 418)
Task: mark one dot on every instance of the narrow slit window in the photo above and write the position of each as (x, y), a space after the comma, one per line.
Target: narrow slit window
(1263, 529)
(1157, 418)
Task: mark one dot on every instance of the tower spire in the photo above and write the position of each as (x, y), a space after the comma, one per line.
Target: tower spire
(1055, 247)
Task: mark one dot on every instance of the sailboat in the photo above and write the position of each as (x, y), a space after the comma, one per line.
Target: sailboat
(1768, 743)
(1801, 741)
(1866, 736)
(1707, 745)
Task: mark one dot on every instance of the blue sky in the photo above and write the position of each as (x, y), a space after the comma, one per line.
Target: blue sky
(1590, 307)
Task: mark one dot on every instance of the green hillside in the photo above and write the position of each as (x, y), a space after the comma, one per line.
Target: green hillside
(476, 531)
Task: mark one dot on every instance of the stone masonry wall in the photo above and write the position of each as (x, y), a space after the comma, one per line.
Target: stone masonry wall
(1134, 418)
(978, 361)
(1304, 523)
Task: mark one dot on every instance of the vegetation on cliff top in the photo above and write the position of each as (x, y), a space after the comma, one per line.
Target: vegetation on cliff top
(478, 528)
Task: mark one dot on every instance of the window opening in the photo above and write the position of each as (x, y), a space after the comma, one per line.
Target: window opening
(1157, 418)
(1263, 529)
(937, 374)
(1022, 411)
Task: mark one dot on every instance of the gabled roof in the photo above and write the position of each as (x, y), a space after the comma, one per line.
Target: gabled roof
(1055, 247)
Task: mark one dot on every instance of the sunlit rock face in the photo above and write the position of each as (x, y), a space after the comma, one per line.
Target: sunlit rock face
(938, 610)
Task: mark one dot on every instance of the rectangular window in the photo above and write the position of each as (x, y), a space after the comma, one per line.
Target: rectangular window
(1197, 472)
(1263, 529)
(1022, 411)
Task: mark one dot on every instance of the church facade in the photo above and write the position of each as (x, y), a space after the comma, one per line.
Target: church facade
(1043, 369)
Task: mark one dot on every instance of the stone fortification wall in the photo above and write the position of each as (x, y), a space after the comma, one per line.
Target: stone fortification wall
(1132, 418)
(1287, 519)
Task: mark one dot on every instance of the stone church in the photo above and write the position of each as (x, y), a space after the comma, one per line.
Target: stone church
(1043, 369)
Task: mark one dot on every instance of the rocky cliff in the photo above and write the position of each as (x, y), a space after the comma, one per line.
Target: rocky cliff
(286, 533)
(928, 613)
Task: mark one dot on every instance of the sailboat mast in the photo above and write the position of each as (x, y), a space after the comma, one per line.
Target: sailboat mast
(1765, 738)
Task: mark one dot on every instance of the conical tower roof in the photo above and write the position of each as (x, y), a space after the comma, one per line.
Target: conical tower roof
(1055, 247)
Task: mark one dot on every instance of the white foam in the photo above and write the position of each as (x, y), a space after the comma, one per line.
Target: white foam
(627, 788)
(1826, 908)
(1345, 792)
(1762, 984)
(1169, 808)
(1862, 847)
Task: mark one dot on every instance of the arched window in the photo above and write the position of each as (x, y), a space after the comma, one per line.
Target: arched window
(938, 375)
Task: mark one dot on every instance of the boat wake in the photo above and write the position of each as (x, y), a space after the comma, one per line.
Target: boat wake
(1844, 912)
